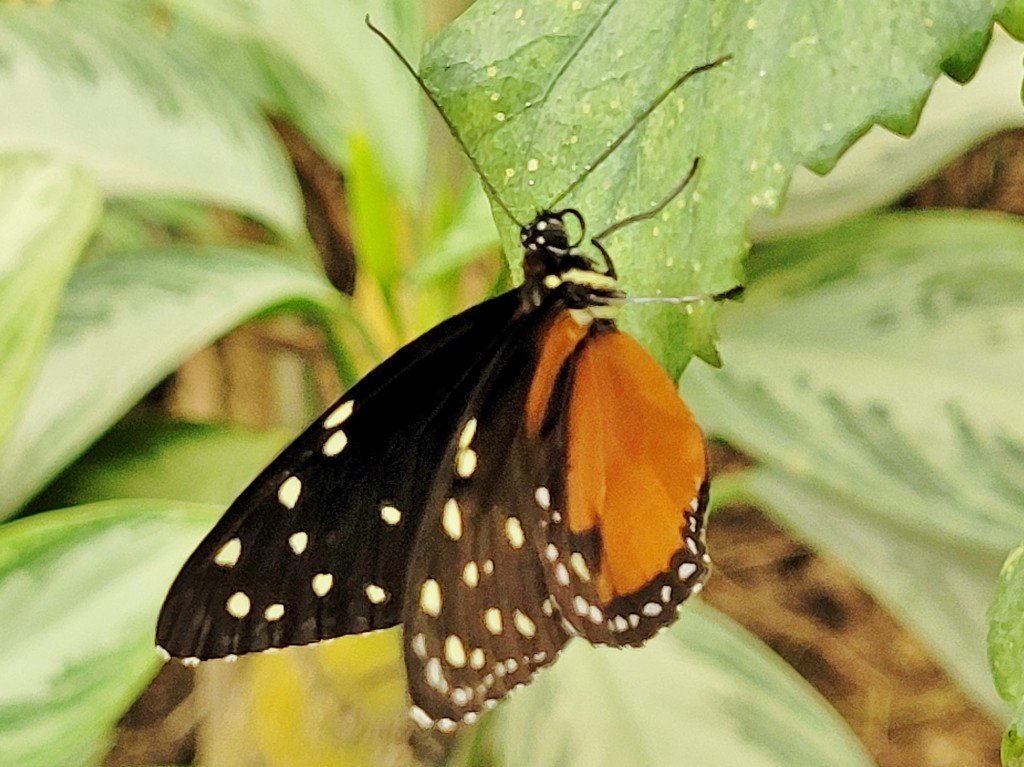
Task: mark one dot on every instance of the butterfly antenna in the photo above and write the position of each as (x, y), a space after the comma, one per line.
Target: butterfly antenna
(652, 212)
(491, 190)
(726, 295)
(610, 149)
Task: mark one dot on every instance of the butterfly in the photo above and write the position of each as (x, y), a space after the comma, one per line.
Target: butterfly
(521, 474)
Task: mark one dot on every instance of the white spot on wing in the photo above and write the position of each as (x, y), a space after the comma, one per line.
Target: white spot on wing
(238, 605)
(454, 651)
(390, 514)
(514, 533)
(579, 565)
(445, 725)
(465, 463)
(543, 497)
(298, 542)
(228, 554)
(493, 620)
(274, 612)
(339, 415)
(432, 673)
(430, 598)
(322, 583)
(686, 570)
(451, 519)
(467, 434)
(419, 646)
(376, 594)
(651, 609)
(471, 574)
(524, 624)
(477, 659)
(420, 716)
(289, 491)
(335, 444)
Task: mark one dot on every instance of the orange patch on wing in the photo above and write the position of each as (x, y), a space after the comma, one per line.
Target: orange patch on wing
(636, 461)
(559, 342)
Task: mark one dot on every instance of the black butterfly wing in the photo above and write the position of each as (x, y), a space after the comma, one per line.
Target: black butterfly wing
(478, 616)
(317, 546)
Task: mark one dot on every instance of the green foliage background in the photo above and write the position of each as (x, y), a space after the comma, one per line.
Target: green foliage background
(873, 370)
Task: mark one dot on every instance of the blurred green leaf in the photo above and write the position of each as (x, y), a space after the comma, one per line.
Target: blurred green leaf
(374, 217)
(874, 371)
(79, 592)
(539, 89)
(144, 116)
(336, 79)
(470, 234)
(937, 589)
(126, 322)
(152, 457)
(47, 212)
(659, 706)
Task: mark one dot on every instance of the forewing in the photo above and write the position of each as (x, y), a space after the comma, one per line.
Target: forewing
(317, 546)
(478, 618)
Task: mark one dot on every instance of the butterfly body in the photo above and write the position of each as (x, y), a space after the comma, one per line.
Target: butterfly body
(520, 474)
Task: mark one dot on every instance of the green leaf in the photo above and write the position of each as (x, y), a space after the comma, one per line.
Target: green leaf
(79, 592)
(704, 693)
(94, 84)
(883, 166)
(1006, 629)
(126, 322)
(47, 212)
(151, 457)
(874, 371)
(1011, 750)
(1006, 650)
(538, 90)
(336, 79)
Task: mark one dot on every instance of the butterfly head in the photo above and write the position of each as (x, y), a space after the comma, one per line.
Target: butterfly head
(553, 260)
